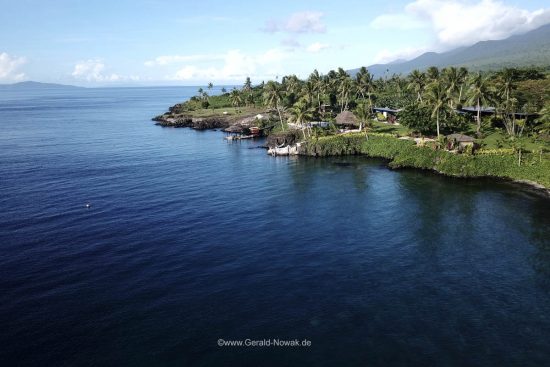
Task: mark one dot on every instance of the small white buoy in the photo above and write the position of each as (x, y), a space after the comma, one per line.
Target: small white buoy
(88, 205)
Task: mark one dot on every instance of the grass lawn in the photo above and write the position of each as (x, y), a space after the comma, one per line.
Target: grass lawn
(231, 111)
(381, 127)
(499, 139)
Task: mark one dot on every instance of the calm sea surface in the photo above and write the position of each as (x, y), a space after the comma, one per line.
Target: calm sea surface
(190, 239)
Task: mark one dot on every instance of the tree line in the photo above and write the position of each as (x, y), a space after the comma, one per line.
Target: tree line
(429, 99)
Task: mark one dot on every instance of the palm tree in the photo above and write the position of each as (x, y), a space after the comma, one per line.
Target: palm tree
(247, 91)
(437, 97)
(462, 79)
(432, 73)
(301, 113)
(317, 82)
(451, 78)
(236, 98)
(291, 83)
(224, 90)
(273, 97)
(417, 82)
(505, 103)
(308, 92)
(478, 95)
(362, 112)
(247, 87)
(210, 86)
(365, 84)
(345, 86)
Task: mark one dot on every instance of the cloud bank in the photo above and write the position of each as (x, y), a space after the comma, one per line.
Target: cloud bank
(460, 23)
(93, 70)
(234, 65)
(9, 67)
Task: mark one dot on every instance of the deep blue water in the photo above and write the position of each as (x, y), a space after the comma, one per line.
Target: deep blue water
(190, 239)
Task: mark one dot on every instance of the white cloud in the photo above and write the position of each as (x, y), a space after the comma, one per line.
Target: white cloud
(173, 59)
(317, 47)
(301, 22)
(93, 70)
(9, 67)
(459, 23)
(235, 65)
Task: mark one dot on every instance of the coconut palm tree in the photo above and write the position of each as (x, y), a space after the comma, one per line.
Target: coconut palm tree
(273, 98)
(345, 86)
(317, 82)
(236, 98)
(210, 86)
(362, 112)
(504, 101)
(308, 92)
(451, 78)
(417, 83)
(365, 84)
(301, 113)
(478, 94)
(247, 87)
(432, 73)
(462, 79)
(437, 97)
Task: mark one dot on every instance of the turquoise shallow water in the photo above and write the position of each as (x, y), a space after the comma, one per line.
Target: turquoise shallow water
(190, 239)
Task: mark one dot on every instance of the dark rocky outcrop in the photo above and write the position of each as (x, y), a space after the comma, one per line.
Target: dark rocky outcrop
(198, 123)
(281, 139)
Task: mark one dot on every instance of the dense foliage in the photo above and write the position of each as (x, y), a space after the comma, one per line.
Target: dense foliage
(404, 153)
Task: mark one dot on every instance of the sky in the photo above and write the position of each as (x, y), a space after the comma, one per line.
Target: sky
(148, 42)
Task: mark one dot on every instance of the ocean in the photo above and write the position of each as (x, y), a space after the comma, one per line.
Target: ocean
(126, 244)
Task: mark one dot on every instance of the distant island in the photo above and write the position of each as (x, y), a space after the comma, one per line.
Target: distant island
(37, 85)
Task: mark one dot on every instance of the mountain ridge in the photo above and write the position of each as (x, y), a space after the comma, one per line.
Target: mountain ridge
(528, 49)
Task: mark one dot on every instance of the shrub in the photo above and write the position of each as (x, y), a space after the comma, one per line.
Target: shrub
(418, 118)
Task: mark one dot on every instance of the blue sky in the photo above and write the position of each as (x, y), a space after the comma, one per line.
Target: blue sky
(146, 42)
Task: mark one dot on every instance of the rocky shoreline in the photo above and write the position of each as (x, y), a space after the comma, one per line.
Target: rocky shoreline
(198, 123)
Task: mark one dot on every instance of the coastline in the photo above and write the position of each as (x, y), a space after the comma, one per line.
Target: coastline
(398, 153)
(401, 154)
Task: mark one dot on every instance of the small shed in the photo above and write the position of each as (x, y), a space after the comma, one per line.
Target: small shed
(459, 141)
(347, 118)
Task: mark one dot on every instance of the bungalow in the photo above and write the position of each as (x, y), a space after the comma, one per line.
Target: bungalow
(487, 111)
(390, 114)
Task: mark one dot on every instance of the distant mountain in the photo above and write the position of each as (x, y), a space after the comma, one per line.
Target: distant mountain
(36, 85)
(528, 49)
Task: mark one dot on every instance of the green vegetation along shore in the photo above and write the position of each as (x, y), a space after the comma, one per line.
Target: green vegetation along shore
(448, 120)
(533, 168)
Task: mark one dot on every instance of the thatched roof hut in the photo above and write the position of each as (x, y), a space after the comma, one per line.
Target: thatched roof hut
(346, 118)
